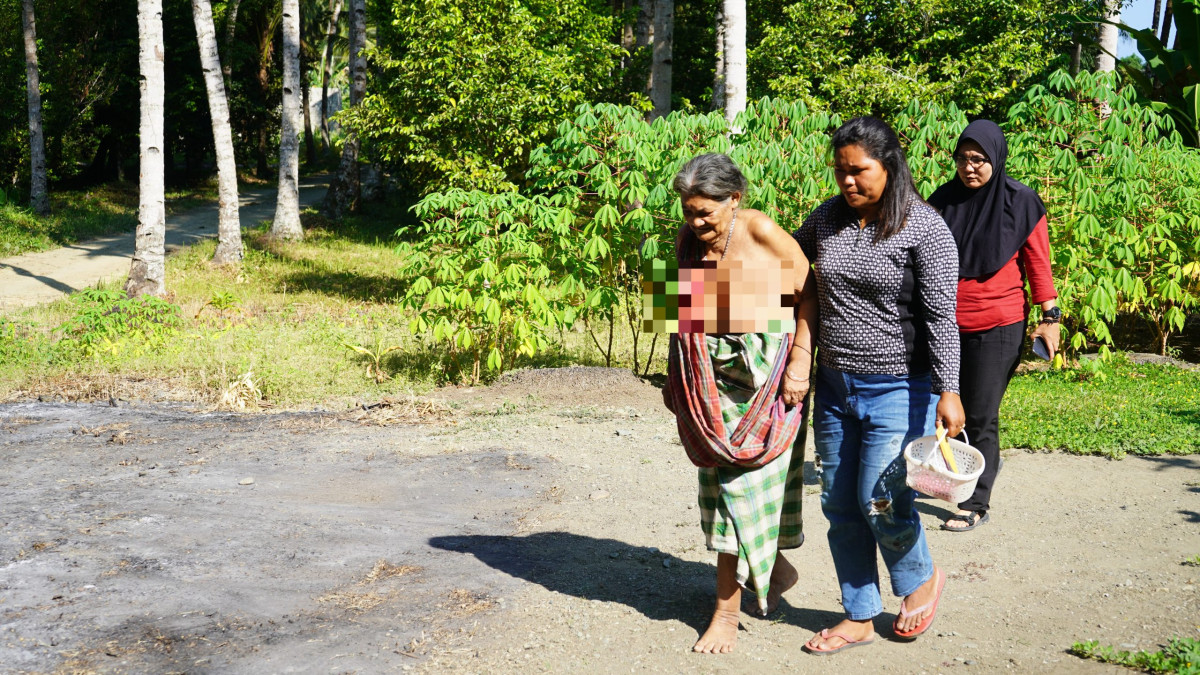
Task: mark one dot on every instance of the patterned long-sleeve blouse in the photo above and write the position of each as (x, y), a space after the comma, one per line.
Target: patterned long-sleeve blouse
(886, 308)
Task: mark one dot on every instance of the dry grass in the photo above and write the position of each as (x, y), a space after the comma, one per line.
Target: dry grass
(354, 601)
(385, 570)
(100, 387)
(11, 424)
(510, 461)
(461, 602)
(241, 394)
(401, 410)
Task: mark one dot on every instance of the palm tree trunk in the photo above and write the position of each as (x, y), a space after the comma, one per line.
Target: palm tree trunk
(231, 11)
(643, 31)
(229, 224)
(287, 199)
(39, 198)
(345, 187)
(1106, 60)
(310, 146)
(735, 59)
(718, 95)
(1168, 16)
(148, 269)
(660, 70)
(1157, 15)
(335, 10)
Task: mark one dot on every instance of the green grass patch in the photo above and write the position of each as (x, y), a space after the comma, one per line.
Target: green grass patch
(83, 214)
(1181, 655)
(1111, 408)
(289, 316)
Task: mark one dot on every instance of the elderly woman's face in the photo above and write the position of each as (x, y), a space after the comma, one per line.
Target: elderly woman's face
(973, 165)
(709, 218)
(861, 178)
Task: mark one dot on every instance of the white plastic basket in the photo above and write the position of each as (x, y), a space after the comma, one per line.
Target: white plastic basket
(928, 473)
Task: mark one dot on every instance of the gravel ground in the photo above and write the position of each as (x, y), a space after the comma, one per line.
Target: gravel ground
(543, 524)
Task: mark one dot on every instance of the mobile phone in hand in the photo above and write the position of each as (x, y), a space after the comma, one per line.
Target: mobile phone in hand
(1040, 348)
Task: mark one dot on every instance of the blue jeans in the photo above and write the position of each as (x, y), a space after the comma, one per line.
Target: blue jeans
(861, 424)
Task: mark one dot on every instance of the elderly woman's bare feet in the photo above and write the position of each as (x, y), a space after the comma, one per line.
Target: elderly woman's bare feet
(721, 636)
(783, 577)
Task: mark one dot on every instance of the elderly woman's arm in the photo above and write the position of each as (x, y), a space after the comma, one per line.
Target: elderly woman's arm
(782, 246)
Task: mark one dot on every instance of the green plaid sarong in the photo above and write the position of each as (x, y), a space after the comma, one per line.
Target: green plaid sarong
(750, 513)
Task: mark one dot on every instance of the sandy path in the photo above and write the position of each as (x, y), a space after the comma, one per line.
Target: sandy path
(34, 278)
(553, 522)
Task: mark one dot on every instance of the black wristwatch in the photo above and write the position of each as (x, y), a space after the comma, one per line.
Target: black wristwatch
(1052, 315)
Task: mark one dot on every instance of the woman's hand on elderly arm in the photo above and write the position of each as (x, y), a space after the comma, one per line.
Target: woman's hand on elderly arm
(796, 377)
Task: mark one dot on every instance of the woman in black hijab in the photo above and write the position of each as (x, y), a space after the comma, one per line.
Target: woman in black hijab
(999, 225)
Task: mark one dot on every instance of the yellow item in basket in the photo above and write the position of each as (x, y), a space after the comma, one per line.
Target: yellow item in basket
(947, 453)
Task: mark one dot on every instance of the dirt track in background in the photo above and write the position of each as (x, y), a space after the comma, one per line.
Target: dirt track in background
(44, 276)
(544, 524)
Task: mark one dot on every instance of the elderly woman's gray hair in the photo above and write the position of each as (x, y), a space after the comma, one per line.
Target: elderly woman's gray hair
(712, 176)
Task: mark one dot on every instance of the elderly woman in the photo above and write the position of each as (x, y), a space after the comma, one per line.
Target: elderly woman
(886, 268)
(737, 400)
(999, 225)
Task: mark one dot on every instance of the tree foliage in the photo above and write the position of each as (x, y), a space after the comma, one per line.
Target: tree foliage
(465, 88)
(875, 57)
(1170, 78)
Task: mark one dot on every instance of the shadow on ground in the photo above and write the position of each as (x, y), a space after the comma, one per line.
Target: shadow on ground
(608, 570)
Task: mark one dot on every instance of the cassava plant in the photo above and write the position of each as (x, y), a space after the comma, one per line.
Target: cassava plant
(478, 276)
(493, 274)
(1123, 195)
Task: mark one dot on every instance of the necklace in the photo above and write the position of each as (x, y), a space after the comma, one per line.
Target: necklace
(729, 237)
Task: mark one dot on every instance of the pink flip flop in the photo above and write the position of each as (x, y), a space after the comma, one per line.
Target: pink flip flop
(924, 625)
(849, 643)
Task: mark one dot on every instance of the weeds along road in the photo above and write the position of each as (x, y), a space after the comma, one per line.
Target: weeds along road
(35, 278)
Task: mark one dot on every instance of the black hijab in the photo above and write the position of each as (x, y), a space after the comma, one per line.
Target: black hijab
(991, 223)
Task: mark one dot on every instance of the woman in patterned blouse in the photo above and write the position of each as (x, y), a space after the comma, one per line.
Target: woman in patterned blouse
(886, 268)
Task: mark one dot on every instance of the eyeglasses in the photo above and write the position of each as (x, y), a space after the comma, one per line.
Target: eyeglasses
(975, 161)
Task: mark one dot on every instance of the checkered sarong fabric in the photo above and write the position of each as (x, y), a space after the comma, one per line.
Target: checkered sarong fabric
(753, 514)
(765, 427)
(740, 434)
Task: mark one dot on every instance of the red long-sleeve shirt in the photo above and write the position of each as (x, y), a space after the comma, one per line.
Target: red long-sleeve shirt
(999, 299)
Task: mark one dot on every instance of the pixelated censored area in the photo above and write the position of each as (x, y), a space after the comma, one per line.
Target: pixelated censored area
(709, 296)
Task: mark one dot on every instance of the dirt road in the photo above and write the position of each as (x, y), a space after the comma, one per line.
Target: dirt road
(34, 278)
(544, 524)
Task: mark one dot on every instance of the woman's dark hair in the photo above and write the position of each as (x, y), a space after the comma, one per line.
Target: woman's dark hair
(712, 176)
(880, 143)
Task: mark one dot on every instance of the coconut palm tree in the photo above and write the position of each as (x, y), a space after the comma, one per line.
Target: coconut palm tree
(287, 200)
(660, 68)
(734, 46)
(148, 270)
(39, 198)
(343, 193)
(335, 10)
(229, 225)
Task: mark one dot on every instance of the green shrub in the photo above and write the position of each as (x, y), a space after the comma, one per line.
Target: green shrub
(1123, 201)
(107, 323)
(467, 87)
(1123, 194)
